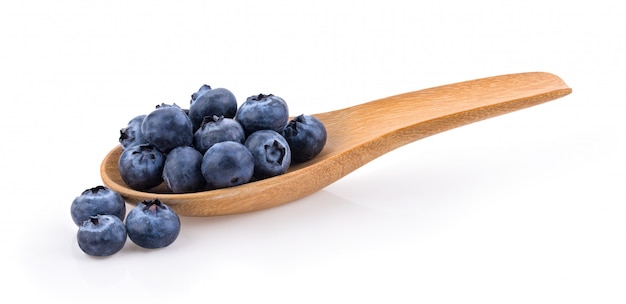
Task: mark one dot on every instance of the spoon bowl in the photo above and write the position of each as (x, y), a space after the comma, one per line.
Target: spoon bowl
(356, 136)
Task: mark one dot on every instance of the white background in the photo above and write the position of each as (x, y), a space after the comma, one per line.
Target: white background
(527, 207)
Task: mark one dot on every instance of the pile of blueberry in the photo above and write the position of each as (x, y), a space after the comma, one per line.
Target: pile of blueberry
(216, 143)
(99, 213)
(213, 144)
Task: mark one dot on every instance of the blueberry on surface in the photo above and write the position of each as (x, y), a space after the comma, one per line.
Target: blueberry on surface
(270, 151)
(306, 136)
(216, 129)
(141, 166)
(181, 171)
(101, 235)
(227, 164)
(97, 200)
(263, 112)
(152, 224)
(211, 102)
(167, 127)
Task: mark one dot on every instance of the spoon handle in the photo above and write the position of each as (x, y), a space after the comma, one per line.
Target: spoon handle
(366, 131)
(385, 124)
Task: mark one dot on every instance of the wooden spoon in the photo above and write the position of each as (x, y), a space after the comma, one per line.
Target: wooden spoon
(357, 135)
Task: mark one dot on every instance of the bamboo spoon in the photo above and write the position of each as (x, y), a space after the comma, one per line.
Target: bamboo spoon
(357, 135)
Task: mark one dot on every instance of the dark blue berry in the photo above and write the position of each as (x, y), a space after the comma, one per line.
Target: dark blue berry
(141, 167)
(271, 153)
(97, 200)
(152, 224)
(216, 129)
(194, 96)
(306, 136)
(181, 171)
(211, 102)
(167, 127)
(131, 134)
(263, 112)
(227, 164)
(101, 235)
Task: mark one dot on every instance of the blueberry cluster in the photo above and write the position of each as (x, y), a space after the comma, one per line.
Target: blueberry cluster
(216, 143)
(99, 213)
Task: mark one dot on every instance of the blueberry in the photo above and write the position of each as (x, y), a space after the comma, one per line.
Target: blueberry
(210, 102)
(306, 136)
(202, 89)
(152, 224)
(131, 134)
(271, 153)
(216, 129)
(141, 167)
(263, 112)
(167, 127)
(101, 235)
(97, 200)
(181, 171)
(227, 164)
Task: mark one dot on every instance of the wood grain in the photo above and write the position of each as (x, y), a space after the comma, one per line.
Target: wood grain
(356, 136)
